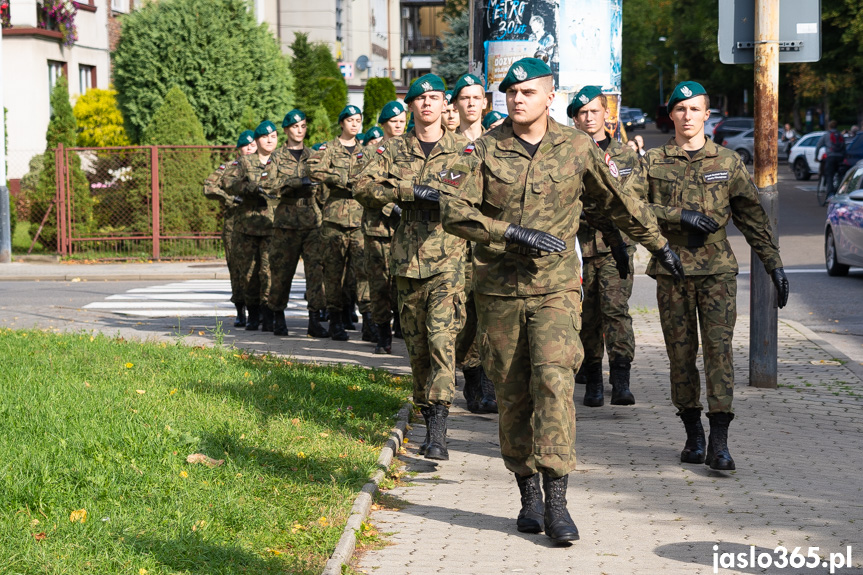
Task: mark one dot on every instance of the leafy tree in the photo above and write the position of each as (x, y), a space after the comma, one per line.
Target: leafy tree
(182, 171)
(62, 129)
(99, 120)
(319, 126)
(318, 78)
(215, 52)
(454, 8)
(250, 120)
(451, 62)
(377, 92)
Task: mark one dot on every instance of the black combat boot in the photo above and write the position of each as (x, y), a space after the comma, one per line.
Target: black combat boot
(532, 510)
(279, 325)
(397, 325)
(693, 451)
(240, 320)
(472, 387)
(580, 376)
(370, 331)
(593, 392)
(619, 379)
(559, 526)
(437, 433)
(488, 403)
(254, 321)
(347, 315)
(718, 456)
(266, 318)
(426, 411)
(337, 329)
(324, 315)
(385, 339)
(315, 327)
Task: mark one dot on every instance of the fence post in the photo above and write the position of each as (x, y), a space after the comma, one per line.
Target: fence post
(154, 178)
(60, 198)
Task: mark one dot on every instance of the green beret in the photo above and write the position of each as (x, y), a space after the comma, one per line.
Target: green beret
(448, 96)
(264, 128)
(349, 111)
(391, 110)
(317, 146)
(246, 138)
(583, 98)
(423, 84)
(684, 91)
(372, 134)
(293, 117)
(491, 118)
(361, 137)
(524, 70)
(464, 82)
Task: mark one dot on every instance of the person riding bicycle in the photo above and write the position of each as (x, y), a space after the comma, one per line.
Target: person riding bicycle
(789, 136)
(834, 145)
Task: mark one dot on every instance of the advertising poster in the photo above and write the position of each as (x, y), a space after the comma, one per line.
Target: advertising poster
(591, 44)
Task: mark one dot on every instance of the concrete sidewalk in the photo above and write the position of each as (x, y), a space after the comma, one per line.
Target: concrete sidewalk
(49, 269)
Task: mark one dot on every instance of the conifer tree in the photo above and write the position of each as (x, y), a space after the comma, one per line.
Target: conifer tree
(377, 92)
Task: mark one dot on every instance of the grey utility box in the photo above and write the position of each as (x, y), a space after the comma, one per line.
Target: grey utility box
(799, 31)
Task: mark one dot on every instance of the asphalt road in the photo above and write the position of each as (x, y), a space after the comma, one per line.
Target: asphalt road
(828, 306)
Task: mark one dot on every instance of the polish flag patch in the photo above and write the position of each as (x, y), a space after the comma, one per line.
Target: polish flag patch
(612, 167)
(469, 149)
(381, 150)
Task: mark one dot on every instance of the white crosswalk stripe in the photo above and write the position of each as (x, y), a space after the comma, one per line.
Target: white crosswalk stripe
(189, 298)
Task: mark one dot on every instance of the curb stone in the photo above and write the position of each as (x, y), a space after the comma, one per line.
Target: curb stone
(362, 504)
(850, 364)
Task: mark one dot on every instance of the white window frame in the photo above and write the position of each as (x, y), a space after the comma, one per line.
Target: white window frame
(120, 6)
(86, 78)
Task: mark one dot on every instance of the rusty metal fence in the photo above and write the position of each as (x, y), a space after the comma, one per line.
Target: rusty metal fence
(137, 202)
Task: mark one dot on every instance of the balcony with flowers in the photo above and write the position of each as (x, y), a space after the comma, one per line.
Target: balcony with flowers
(48, 19)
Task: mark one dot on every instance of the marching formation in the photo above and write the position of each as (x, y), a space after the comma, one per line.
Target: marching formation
(503, 245)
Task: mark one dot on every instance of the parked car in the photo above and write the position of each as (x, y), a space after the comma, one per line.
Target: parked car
(802, 157)
(663, 120)
(843, 231)
(854, 150)
(744, 144)
(630, 121)
(639, 117)
(732, 126)
(716, 116)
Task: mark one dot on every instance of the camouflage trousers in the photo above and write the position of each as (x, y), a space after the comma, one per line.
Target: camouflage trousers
(467, 342)
(708, 302)
(432, 314)
(285, 252)
(343, 256)
(229, 238)
(605, 319)
(530, 347)
(313, 259)
(253, 262)
(381, 287)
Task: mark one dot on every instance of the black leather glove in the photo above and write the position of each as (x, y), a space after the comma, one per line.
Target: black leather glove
(306, 181)
(237, 200)
(395, 217)
(697, 222)
(780, 280)
(427, 193)
(260, 191)
(621, 260)
(396, 212)
(669, 260)
(534, 239)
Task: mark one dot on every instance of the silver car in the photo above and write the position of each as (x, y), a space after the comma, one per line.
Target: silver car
(843, 231)
(802, 157)
(744, 144)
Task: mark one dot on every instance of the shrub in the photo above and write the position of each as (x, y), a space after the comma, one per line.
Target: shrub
(378, 91)
(100, 122)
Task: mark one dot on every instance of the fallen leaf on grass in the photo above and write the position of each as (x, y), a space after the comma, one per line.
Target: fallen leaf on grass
(39, 536)
(295, 421)
(140, 391)
(201, 458)
(79, 516)
(130, 365)
(325, 434)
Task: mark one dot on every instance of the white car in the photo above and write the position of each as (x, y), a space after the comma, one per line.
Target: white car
(715, 117)
(802, 157)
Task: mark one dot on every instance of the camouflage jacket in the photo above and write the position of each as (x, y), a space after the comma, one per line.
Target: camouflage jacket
(626, 161)
(420, 246)
(716, 183)
(333, 165)
(215, 187)
(298, 207)
(376, 222)
(495, 182)
(255, 216)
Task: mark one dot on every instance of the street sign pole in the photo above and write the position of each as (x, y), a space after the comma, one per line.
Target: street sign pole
(763, 329)
(5, 229)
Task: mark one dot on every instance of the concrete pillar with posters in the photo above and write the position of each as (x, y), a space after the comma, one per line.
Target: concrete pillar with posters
(580, 39)
(5, 208)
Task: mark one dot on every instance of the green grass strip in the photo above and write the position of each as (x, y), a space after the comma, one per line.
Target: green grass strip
(105, 425)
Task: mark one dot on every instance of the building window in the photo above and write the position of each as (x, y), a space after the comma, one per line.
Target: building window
(87, 75)
(55, 70)
(120, 5)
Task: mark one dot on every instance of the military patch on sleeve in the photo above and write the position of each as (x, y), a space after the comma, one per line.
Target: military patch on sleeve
(322, 148)
(452, 178)
(612, 167)
(469, 148)
(263, 175)
(222, 167)
(381, 150)
(720, 176)
(625, 172)
(359, 155)
(234, 163)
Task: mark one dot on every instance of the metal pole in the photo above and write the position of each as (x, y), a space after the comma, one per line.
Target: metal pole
(5, 208)
(763, 330)
(154, 181)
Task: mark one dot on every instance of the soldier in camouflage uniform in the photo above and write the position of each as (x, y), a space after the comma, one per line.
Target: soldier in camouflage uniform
(296, 223)
(254, 182)
(341, 235)
(378, 227)
(695, 187)
(470, 100)
(215, 189)
(427, 262)
(605, 319)
(532, 173)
